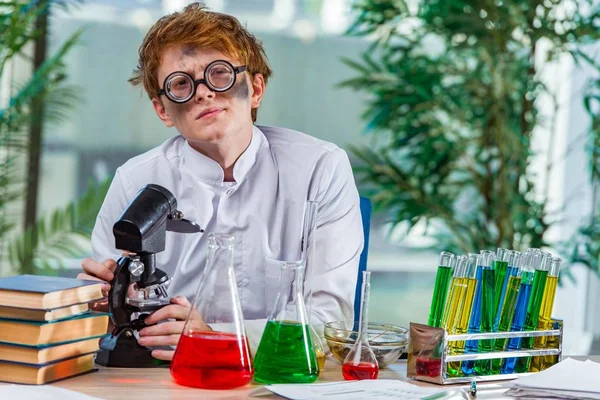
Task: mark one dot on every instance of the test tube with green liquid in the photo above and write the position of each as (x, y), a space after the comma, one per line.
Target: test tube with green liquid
(500, 265)
(507, 313)
(541, 262)
(518, 322)
(440, 290)
(460, 324)
(488, 310)
(545, 320)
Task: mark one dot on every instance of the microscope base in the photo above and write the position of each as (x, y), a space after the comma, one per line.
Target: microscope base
(123, 351)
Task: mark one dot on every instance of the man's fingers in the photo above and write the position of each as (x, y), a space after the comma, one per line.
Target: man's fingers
(98, 270)
(105, 287)
(110, 264)
(181, 300)
(101, 305)
(174, 311)
(88, 277)
(166, 355)
(166, 328)
(165, 340)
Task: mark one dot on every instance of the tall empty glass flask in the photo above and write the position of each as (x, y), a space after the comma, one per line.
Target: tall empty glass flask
(213, 351)
(309, 249)
(286, 353)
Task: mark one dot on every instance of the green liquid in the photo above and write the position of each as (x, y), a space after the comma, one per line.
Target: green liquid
(532, 317)
(285, 354)
(506, 318)
(488, 312)
(501, 267)
(440, 291)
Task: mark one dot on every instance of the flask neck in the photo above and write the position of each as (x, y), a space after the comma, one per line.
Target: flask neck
(220, 253)
(289, 305)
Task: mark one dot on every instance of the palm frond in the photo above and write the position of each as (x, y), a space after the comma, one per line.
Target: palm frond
(454, 127)
(58, 235)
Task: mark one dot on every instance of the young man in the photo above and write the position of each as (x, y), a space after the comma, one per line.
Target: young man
(206, 76)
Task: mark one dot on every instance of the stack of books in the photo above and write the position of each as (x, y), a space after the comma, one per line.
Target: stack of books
(47, 331)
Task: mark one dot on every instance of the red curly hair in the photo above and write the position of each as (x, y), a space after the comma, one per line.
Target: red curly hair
(198, 27)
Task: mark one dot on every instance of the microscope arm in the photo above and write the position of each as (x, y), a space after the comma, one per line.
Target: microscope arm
(118, 294)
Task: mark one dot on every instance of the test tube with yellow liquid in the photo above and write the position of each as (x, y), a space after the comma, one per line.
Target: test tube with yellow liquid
(545, 321)
(456, 296)
(459, 312)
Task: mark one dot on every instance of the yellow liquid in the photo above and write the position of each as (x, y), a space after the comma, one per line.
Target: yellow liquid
(455, 302)
(320, 354)
(461, 327)
(545, 322)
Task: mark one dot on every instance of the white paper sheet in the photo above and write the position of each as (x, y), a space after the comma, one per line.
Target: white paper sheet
(568, 379)
(354, 390)
(44, 392)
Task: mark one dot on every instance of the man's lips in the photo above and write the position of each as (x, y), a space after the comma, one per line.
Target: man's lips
(209, 112)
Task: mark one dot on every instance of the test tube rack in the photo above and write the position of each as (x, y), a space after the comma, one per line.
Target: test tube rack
(430, 346)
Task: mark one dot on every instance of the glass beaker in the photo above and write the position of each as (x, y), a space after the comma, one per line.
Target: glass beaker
(210, 357)
(309, 232)
(286, 353)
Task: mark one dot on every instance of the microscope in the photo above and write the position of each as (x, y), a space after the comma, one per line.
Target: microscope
(141, 233)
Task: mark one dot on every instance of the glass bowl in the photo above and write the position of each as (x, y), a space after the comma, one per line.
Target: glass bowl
(387, 341)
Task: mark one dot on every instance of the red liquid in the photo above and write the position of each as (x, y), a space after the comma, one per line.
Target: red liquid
(428, 366)
(362, 370)
(211, 360)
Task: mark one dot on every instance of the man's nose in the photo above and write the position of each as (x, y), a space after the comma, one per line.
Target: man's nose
(203, 92)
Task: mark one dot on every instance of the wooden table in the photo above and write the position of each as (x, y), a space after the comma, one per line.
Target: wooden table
(156, 383)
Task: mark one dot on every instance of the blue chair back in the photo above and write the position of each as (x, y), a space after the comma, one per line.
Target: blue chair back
(365, 212)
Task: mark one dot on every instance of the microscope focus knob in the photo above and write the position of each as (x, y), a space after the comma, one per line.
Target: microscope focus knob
(136, 268)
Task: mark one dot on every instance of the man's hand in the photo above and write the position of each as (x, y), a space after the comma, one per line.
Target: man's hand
(168, 333)
(96, 271)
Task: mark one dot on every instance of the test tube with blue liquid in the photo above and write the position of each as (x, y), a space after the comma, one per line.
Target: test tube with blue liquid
(525, 302)
(541, 262)
(484, 298)
(488, 310)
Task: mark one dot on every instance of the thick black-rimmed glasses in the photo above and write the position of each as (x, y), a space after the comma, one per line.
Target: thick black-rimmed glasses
(219, 76)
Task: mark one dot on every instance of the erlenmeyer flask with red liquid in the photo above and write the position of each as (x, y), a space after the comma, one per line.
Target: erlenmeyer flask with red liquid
(360, 362)
(213, 350)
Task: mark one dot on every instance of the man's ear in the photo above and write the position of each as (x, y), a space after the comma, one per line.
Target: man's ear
(258, 90)
(159, 108)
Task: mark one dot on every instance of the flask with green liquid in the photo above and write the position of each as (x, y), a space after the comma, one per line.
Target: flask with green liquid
(285, 353)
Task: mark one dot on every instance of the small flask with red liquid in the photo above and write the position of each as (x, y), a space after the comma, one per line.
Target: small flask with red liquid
(360, 363)
(207, 358)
